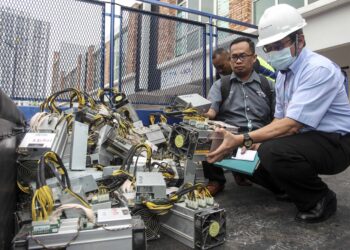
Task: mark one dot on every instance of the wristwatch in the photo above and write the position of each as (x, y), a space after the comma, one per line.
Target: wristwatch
(247, 140)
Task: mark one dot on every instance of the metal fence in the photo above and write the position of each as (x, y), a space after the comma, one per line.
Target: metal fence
(161, 57)
(46, 46)
(226, 36)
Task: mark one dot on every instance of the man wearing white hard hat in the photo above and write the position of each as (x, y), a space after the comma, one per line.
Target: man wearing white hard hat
(310, 134)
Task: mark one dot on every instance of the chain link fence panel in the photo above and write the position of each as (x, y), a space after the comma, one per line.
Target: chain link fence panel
(161, 57)
(47, 46)
(226, 36)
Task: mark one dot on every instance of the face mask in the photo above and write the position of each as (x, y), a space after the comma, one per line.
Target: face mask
(282, 59)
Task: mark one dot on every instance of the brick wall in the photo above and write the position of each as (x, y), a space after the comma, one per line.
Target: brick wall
(240, 10)
(132, 26)
(106, 66)
(166, 34)
(168, 11)
(90, 68)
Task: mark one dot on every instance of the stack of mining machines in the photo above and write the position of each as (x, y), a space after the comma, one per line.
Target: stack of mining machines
(91, 175)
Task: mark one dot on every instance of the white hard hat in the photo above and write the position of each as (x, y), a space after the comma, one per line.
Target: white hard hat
(278, 22)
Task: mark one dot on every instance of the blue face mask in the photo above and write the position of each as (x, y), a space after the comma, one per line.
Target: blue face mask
(281, 59)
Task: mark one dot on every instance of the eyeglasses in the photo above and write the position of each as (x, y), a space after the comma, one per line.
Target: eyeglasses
(241, 57)
(277, 46)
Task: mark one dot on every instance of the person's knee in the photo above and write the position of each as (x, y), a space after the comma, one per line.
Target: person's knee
(267, 152)
(273, 157)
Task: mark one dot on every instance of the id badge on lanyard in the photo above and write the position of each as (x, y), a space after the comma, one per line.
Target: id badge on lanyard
(285, 95)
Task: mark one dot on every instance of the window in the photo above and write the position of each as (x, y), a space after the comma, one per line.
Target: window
(117, 53)
(312, 1)
(261, 5)
(193, 4)
(188, 36)
(223, 7)
(207, 6)
(295, 3)
(116, 58)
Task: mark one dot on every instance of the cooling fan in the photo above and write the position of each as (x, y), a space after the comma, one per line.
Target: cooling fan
(27, 171)
(151, 222)
(210, 228)
(183, 141)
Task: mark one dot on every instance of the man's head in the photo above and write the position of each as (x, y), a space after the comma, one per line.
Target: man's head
(243, 57)
(281, 35)
(221, 61)
(285, 51)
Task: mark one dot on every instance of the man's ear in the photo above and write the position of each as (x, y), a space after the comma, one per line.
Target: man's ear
(255, 57)
(301, 41)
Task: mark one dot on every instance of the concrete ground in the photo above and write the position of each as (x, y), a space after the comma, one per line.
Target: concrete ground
(255, 220)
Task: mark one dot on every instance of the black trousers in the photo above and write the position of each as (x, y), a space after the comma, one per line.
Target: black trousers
(213, 173)
(292, 164)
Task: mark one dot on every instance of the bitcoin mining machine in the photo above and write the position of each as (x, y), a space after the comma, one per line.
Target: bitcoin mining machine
(91, 175)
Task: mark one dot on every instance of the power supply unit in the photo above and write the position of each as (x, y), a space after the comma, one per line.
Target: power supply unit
(119, 230)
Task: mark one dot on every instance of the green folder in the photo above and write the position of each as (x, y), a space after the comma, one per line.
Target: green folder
(241, 166)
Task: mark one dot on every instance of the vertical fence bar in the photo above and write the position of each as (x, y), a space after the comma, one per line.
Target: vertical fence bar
(120, 49)
(102, 52)
(204, 62)
(211, 50)
(216, 37)
(111, 48)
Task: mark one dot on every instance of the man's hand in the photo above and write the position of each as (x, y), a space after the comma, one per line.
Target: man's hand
(229, 143)
(254, 147)
(211, 114)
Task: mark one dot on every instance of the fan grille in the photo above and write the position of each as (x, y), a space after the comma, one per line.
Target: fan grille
(151, 223)
(210, 228)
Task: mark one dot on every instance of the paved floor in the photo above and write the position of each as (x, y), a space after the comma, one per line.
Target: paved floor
(255, 220)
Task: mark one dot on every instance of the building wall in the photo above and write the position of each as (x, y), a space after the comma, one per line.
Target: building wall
(328, 28)
(175, 70)
(166, 33)
(132, 31)
(240, 10)
(68, 67)
(24, 43)
(107, 62)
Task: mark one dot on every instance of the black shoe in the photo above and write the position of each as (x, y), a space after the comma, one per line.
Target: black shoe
(324, 209)
(283, 197)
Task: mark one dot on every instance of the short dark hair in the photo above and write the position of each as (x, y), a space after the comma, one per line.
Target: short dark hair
(220, 51)
(244, 39)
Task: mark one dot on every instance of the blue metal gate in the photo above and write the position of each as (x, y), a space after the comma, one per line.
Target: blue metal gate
(162, 56)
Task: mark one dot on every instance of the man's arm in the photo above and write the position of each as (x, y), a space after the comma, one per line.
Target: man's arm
(211, 114)
(215, 97)
(316, 90)
(278, 128)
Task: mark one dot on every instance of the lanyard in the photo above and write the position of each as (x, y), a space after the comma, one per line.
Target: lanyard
(249, 124)
(285, 94)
